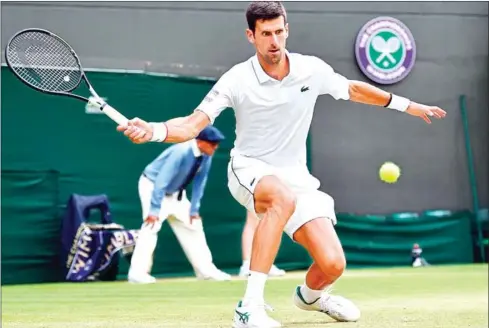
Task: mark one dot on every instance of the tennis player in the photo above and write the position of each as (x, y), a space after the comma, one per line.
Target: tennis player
(273, 95)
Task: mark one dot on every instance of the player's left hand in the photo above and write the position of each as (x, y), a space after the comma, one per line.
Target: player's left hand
(425, 112)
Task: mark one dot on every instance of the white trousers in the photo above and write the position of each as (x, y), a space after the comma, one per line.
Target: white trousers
(190, 235)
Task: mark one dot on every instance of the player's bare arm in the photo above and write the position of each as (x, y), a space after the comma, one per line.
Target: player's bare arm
(176, 130)
(365, 93)
(186, 128)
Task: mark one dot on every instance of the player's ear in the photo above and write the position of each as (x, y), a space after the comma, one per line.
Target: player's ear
(250, 36)
(286, 30)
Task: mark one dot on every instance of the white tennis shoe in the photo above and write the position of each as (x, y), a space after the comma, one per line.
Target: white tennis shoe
(337, 307)
(253, 316)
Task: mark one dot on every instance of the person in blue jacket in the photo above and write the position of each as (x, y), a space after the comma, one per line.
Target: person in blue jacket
(162, 191)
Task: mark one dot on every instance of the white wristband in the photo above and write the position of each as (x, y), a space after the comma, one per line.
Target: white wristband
(398, 103)
(160, 131)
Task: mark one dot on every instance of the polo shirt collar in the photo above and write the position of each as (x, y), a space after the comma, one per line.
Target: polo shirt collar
(261, 74)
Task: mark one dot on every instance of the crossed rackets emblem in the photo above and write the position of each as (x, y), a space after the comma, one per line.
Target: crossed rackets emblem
(386, 48)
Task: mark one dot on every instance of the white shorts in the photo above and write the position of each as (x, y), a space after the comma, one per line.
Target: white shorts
(245, 172)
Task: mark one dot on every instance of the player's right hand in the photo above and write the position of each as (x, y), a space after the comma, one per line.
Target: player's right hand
(137, 130)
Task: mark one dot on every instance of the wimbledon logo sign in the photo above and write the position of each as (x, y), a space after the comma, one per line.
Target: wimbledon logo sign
(385, 50)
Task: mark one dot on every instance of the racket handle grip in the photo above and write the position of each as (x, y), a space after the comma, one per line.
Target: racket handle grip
(114, 114)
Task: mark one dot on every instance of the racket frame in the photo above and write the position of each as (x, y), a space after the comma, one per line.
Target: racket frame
(102, 105)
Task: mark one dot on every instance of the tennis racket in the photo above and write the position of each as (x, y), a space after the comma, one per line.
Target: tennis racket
(47, 63)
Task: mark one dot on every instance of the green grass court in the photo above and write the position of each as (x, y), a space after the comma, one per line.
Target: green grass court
(439, 296)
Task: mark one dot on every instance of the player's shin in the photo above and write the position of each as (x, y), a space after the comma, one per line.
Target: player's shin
(316, 282)
(318, 279)
(266, 242)
(319, 238)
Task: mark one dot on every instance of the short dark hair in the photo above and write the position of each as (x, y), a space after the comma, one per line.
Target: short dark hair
(264, 10)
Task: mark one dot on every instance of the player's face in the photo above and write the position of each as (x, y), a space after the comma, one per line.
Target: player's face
(269, 39)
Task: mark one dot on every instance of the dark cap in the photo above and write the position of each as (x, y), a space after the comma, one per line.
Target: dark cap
(211, 134)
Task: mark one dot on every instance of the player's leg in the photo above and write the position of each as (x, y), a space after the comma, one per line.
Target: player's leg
(319, 238)
(275, 202)
(246, 241)
(254, 185)
(142, 257)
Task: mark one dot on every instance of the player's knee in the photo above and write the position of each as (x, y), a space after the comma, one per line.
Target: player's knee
(335, 266)
(339, 265)
(331, 261)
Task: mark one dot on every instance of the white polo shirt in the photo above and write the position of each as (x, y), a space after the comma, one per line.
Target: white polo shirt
(273, 117)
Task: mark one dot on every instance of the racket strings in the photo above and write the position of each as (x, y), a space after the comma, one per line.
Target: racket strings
(44, 62)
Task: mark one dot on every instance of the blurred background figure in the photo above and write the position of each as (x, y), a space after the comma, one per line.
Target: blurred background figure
(416, 259)
(162, 190)
(246, 244)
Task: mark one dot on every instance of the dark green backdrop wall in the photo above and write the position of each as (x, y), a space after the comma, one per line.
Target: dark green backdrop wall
(52, 148)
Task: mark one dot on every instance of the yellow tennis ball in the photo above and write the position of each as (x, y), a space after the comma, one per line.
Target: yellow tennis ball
(389, 172)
